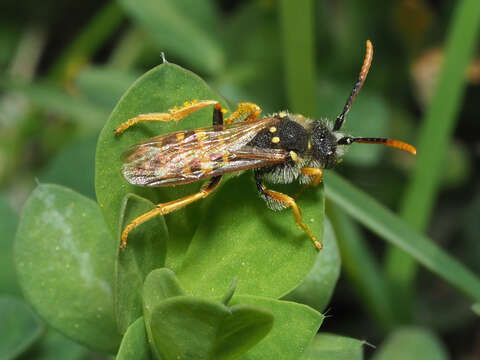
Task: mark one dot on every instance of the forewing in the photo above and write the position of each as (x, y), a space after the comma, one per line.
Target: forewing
(187, 156)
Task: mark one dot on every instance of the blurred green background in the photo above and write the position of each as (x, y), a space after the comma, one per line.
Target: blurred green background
(64, 66)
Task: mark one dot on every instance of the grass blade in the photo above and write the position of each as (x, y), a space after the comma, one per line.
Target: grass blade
(433, 143)
(396, 231)
(296, 18)
(94, 35)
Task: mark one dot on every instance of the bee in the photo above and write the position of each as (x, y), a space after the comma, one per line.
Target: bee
(280, 148)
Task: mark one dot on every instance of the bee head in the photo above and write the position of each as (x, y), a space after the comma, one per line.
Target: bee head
(324, 145)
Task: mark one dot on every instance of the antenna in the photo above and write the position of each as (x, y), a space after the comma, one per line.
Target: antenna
(347, 140)
(358, 85)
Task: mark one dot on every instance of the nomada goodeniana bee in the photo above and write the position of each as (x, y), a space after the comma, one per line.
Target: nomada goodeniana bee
(281, 148)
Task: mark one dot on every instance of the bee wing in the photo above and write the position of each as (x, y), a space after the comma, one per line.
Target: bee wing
(187, 156)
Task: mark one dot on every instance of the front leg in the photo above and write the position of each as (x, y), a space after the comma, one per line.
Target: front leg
(174, 114)
(245, 112)
(314, 174)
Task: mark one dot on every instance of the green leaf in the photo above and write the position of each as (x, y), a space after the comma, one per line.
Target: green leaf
(240, 237)
(317, 288)
(73, 167)
(393, 229)
(145, 251)
(242, 330)
(411, 344)
(229, 294)
(334, 347)
(85, 114)
(158, 90)
(159, 285)
(56, 346)
(184, 28)
(294, 327)
(8, 226)
(190, 327)
(104, 85)
(64, 259)
(19, 328)
(134, 343)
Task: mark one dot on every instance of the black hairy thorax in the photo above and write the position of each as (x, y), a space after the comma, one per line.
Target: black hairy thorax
(309, 143)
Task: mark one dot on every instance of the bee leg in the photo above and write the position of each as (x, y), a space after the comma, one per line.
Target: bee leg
(316, 173)
(245, 112)
(218, 116)
(288, 201)
(175, 114)
(165, 208)
(317, 177)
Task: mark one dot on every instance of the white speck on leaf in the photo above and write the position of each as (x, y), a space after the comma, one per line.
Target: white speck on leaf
(60, 223)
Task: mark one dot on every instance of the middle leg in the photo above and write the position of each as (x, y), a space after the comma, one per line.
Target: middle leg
(316, 176)
(168, 207)
(287, 202)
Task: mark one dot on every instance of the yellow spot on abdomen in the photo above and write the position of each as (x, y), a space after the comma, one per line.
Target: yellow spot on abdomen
(275, 140)
(272, 129)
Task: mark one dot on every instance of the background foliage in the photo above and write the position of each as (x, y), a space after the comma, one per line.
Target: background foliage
(65, 67)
